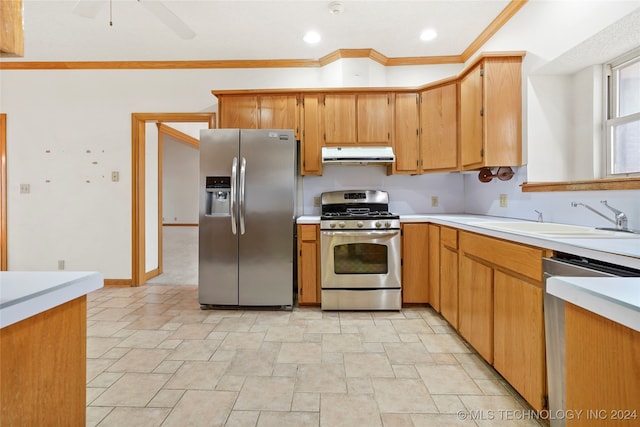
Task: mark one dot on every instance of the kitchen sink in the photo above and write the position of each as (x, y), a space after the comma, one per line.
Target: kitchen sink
(554, 230)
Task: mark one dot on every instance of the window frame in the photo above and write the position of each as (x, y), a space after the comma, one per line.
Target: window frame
(611, 113)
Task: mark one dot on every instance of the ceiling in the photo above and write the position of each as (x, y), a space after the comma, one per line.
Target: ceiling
(250, 30)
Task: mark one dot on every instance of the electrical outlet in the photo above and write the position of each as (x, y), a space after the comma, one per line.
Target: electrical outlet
(434, 201)
(60, 264)
(115, 176)
(503, 201)
(25, 188)
(316, 202)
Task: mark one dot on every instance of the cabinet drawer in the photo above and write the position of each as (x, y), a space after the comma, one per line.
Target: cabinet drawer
(521, 259)
(307, 232)
(449, 237)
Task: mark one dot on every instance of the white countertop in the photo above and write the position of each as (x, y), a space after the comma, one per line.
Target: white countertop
(26, 293)
(617, 298)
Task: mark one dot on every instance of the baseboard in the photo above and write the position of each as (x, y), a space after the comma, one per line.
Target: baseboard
(118, 283)
(177, 224)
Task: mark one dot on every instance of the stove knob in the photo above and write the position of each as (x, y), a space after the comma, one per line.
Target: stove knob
(387, 224)
(360, 224)
(332, 225)
(378, 224)
(341, 224)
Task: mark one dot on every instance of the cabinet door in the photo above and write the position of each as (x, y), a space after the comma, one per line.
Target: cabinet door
(449, 285)
(374, 119)
(239, 111)
(308, 289)
(471, 123)
(602, 369)
(519, 350)
(279, 112)
(311, 142)
(475, 309)
(407, 142)
(439, 125)
(415, 263)
(434, 267)
(339, 119)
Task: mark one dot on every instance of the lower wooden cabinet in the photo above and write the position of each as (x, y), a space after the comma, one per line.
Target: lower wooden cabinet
(449, 275)
(308, 264)
(415, 263)
(434, 266)
(602, 370)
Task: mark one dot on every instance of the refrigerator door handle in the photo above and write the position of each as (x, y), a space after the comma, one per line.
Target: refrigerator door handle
(234, 172)
(243, 172)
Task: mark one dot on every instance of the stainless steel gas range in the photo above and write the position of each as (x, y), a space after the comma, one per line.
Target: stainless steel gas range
(360, 251)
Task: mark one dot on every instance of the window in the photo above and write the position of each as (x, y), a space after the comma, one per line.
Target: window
(623, 116)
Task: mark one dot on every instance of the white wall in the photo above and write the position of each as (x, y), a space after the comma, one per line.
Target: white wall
(68, 130)
(180, 176)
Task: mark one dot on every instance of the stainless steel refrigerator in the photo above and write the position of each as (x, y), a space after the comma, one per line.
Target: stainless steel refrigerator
(247, 217)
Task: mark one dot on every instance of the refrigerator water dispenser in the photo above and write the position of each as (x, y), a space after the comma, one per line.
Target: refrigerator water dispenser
(218, 196)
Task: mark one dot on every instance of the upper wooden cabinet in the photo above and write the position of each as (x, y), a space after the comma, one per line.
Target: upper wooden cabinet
(365, 118)
(439, 128)
(491, 113)
(270, 111)
(310, 136)
(407, 138)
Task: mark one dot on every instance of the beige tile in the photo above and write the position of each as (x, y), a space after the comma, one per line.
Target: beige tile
(323, 326)
(242, 340)
(407, 353)
(405, 371)
(92, 393)
(252, 362)
(285, 333)
(441, 420)
(105, 379)
(112, 314)
(149, 321)
(206, 408)
(448, 403)
(145, 339)
(166, 399)
(300, 353)
(379, 333)
(265, 394)
(476, 367)
(97, 346)
(233, 324)
(492, 387)
(444, 343)
(230, 383)
(97, 366)
(305, 402)
(285, 370)
(95, 414)
(367, 365)
(139, 360)
(104, 328)
(340, 343)
(288, 419)
(133, 390)
(359, 385)
(349, 410)
(321, 378)
(396, 420)
(168, 367)
(242, 419)
(194, 350)
(194, 331)
(447, 379)
(411, 326)
(402, 396)
(197, 375)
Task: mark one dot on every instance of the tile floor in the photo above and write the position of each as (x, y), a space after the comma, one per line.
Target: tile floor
(155, 359)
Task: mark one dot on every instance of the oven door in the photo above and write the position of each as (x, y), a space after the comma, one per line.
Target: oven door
(360, 259)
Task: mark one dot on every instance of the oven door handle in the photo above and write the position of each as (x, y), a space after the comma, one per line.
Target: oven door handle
(361, 233)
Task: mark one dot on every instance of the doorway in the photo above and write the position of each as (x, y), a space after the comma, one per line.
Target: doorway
(140, 187)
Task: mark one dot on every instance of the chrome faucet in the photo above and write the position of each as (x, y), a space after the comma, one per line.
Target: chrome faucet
(621, 218)
(540, 219)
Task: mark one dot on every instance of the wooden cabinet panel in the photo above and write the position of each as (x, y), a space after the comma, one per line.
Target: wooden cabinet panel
(449, 275)
(471, 123)
(449, 237)
(475, 309)
(434, 267)
(374, 119)
(308, 261)
(519, 349)
(279, 112)
(407, 140)
(491, 114)
(239, 112)
(415, 264)
(339, 119)
(439, 128)
(521, 259)
(602, 369)
(311, 140)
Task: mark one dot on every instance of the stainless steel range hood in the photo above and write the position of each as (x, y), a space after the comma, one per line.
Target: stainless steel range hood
(358, 155)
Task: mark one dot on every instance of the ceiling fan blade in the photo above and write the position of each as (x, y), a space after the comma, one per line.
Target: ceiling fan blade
(88, 8)
(169, 18)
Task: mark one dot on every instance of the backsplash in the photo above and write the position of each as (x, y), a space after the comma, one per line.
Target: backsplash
(464, 193)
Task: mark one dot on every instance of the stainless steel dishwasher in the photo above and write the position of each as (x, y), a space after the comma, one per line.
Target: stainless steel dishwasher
(568, 266)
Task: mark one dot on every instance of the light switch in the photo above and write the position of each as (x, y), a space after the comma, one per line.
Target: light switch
(434, 201)
(503, 200)
(25, 188)
(115, 176)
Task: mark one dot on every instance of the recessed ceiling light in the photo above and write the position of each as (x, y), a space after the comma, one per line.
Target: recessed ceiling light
(429, 34)
(312, 37)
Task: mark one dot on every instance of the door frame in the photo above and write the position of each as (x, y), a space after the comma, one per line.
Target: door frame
(138, 186)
